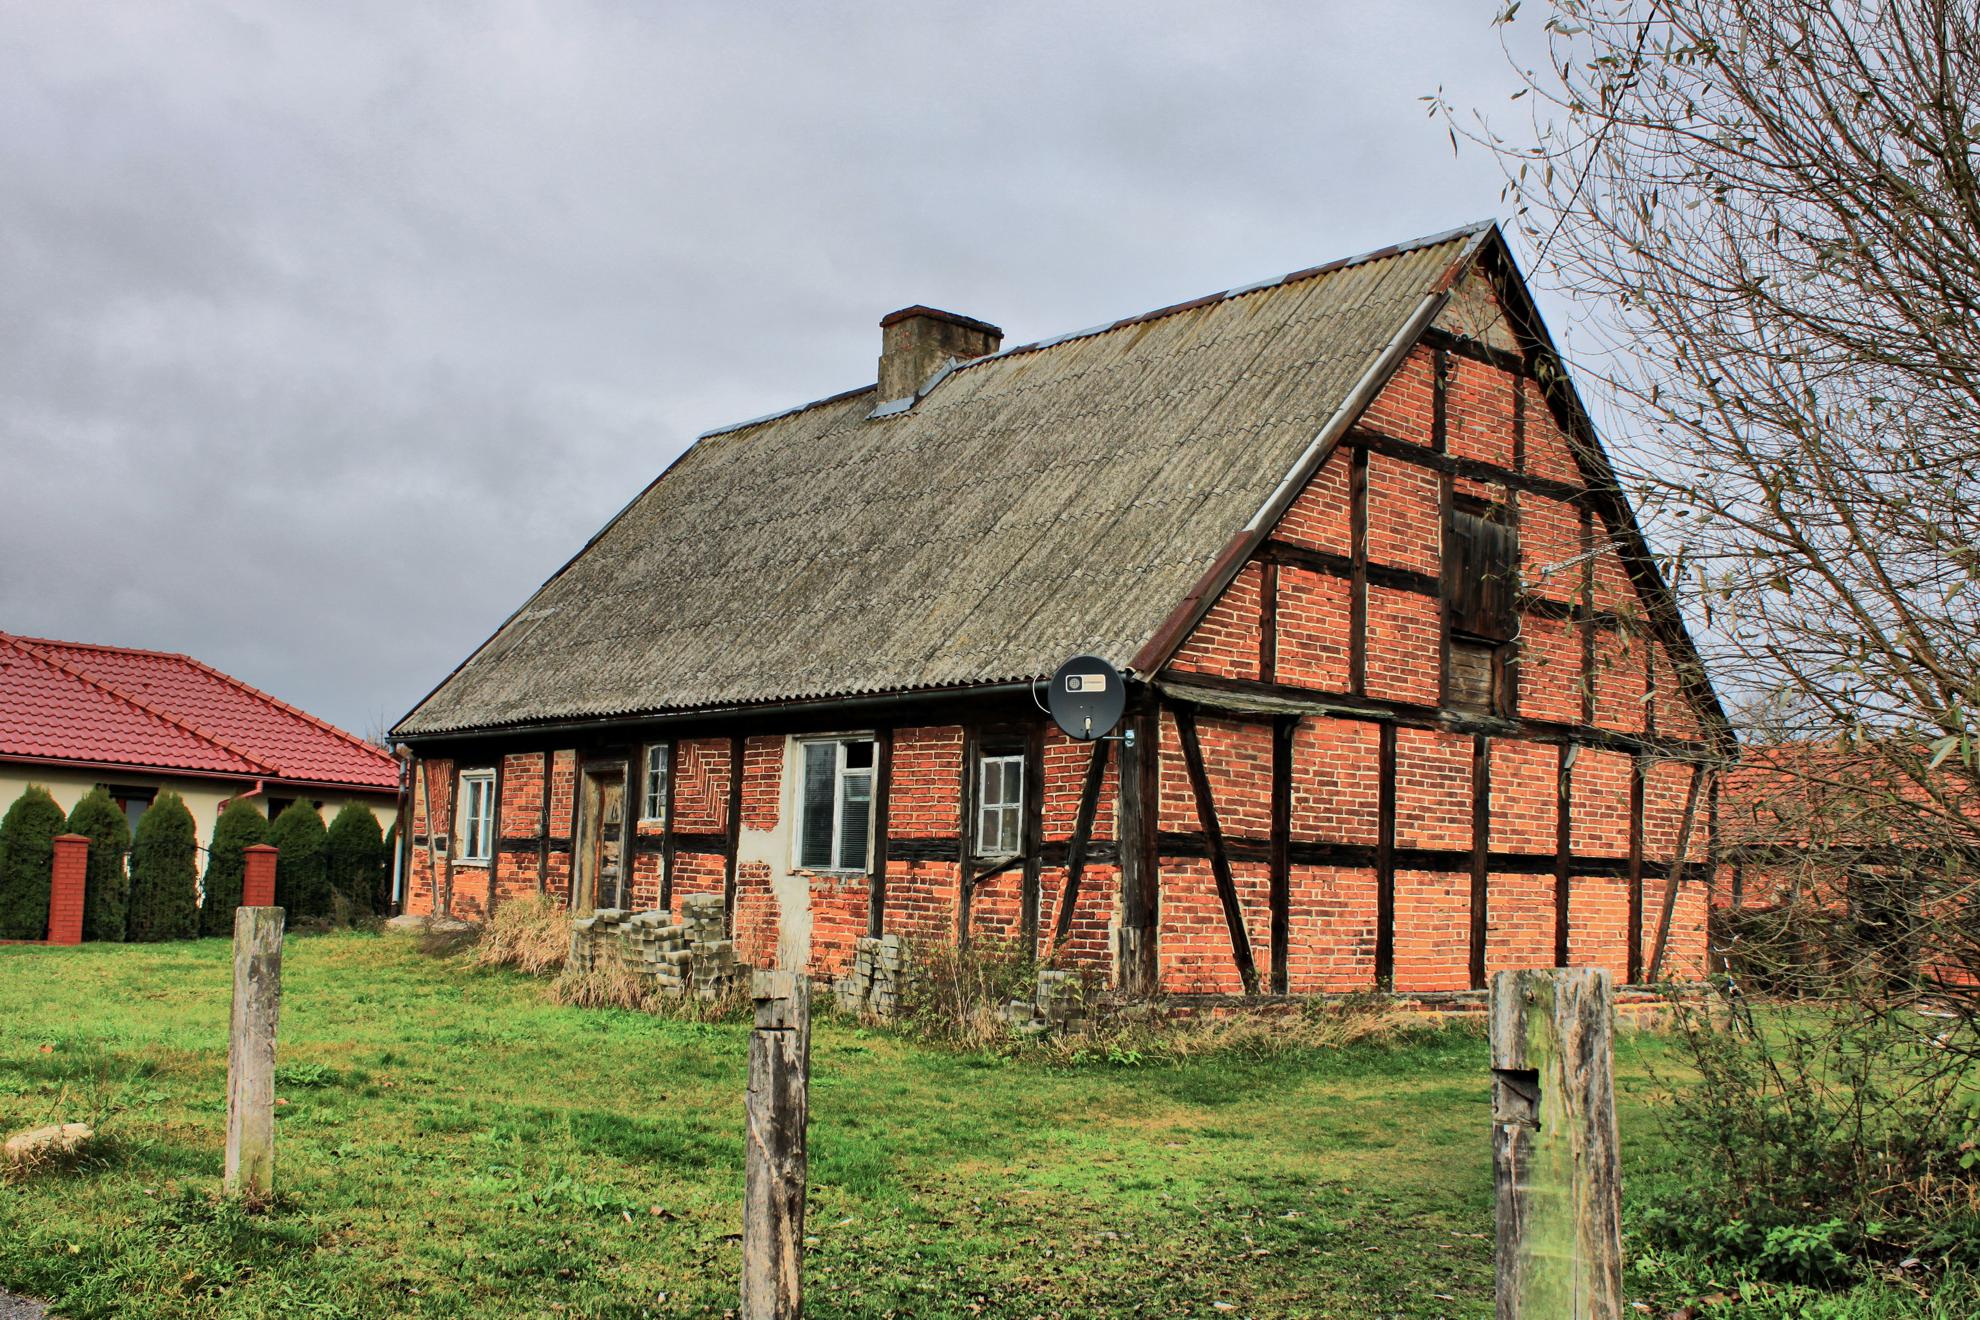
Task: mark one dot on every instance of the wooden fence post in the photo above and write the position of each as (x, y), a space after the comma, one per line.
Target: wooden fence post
(775, 1165)
(251, 1052)
(1554, 1145)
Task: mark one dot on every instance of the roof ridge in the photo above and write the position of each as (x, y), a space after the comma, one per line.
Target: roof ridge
(1471, 230)
(205, 735)
(363, 744)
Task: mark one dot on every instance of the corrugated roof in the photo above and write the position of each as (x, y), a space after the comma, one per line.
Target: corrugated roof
(114, 705)
(1047, 500)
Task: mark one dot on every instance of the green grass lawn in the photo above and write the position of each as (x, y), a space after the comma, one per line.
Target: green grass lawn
(452, 1143)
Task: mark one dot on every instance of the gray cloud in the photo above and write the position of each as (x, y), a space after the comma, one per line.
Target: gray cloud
(327, 332)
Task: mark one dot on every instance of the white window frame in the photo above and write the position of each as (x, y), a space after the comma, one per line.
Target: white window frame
(658, 763)
(1011, 812)
(477, 787)
(802, 760)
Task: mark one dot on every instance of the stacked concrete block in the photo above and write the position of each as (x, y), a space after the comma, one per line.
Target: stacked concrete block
(873, 983)
(712, 956)
(677, 956)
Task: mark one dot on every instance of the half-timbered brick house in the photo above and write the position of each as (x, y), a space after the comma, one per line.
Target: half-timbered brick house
(1411, 701)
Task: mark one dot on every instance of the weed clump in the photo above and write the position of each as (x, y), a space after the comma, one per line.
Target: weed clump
(531, 934)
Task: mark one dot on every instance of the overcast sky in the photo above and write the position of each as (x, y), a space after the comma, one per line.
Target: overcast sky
(327, 332)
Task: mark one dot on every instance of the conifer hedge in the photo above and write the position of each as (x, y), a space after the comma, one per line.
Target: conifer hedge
(107, 890)
(165, 872)
(354, 858)
(27, 863)
(241, 826)
(301, 886)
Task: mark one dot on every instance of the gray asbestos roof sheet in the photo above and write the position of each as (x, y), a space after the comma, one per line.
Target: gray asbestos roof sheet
(1047, 500)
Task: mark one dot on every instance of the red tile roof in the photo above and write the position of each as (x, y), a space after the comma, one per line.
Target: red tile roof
(155, 710)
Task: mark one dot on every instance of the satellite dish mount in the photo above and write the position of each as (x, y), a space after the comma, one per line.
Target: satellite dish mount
(1086, 699)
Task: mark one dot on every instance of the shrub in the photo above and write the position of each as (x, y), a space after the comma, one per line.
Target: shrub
(957, 994)
(354, 859)
(164, 873)
(531, 934)
(107, 891)
(241, 827)
(1818, 1141)
(27, 863)
(301, 886)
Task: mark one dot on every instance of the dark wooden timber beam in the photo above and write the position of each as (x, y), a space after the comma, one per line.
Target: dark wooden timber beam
(1385, 861)
(883, 793)
(1220, 862)
(1285, 730)
(1481, 833)
(1268, 620)
(1563, 851)
(669, 836)
(1033, 843)
(1676, 874)
(1477, 469)
(1636, 870)
(1082, 838)
(1241, 697)
(732, 844)
(1460, 346)
(1358, 588)
(543, 825)
(965, 835)
(1140, 863)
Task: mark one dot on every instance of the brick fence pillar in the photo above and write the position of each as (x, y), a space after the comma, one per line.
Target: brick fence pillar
(65, 889)
(258, 883)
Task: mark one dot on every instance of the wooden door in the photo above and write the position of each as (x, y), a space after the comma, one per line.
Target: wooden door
(600, 877)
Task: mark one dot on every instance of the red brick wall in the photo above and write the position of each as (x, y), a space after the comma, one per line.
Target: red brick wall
(1313, 630)
(1226, 641)
(1318, 517)
(1331, 936)
(1195, 940)
(1336, 783)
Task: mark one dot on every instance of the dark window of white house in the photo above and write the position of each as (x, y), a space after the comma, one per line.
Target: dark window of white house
(653, 802)
(477, 824)
(131, 800)
(999, 804)
(835, 802)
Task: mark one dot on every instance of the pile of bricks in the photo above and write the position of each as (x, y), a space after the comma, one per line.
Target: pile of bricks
(1061, 1002)
(873, 985)
(711, 955)
(677, 956)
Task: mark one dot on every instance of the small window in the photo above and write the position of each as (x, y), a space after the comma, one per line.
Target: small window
(653, 801)
(835, 798)
(132, 801)
(999, 805)
(476, 827)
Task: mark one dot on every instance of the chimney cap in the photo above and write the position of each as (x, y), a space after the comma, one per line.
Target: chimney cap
(936, 314)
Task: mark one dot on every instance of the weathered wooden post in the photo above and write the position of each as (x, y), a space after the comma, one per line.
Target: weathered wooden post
(1554, 1146)
(775, 1165)
(250, 1168)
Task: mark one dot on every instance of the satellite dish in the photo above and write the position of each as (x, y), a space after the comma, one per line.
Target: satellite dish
(1087, 697)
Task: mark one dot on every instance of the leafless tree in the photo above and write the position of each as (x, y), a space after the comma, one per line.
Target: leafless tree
(1770, 209)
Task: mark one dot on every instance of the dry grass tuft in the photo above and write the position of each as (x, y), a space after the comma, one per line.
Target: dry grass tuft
(531, 934)
(608, 983)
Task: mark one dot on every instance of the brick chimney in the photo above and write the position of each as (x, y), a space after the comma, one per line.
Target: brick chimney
(916, 341)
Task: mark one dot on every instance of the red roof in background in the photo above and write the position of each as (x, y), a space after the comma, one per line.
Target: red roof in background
(155, 710)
